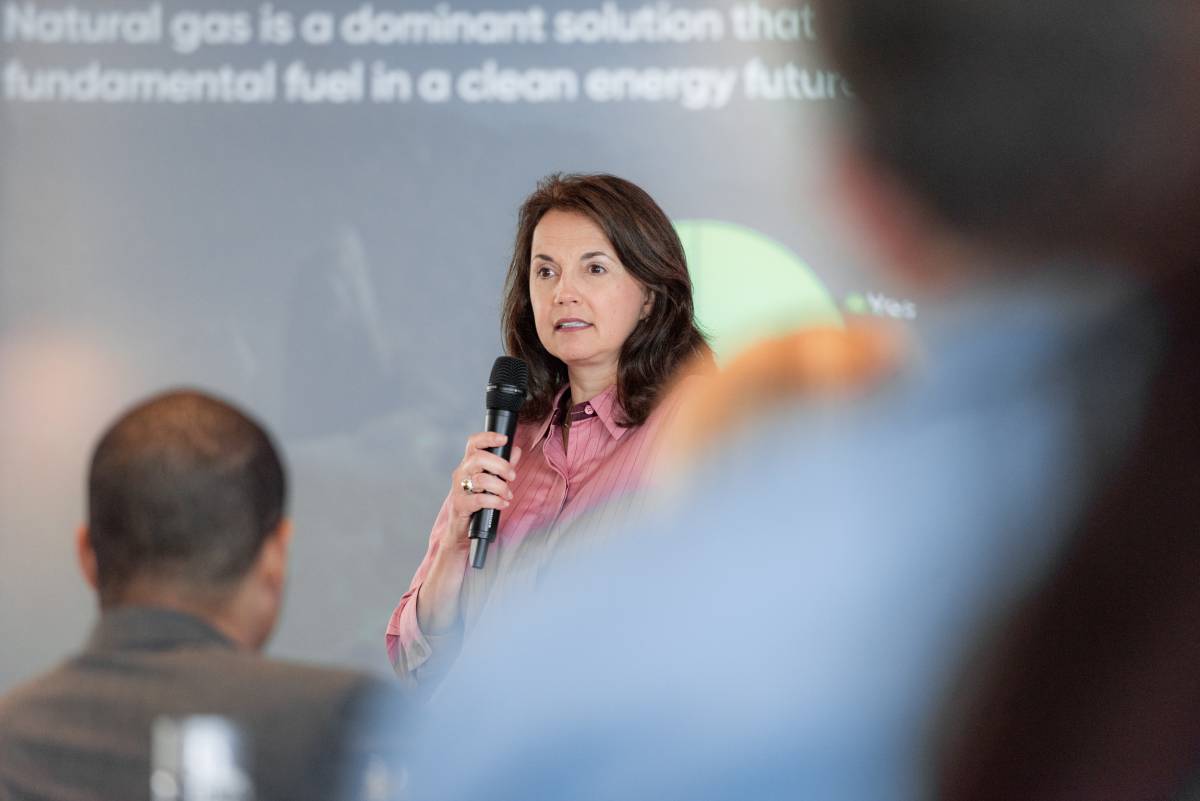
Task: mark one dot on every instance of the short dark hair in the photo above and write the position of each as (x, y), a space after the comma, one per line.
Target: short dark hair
(1062, 126)
(183, 487)
(648, 246)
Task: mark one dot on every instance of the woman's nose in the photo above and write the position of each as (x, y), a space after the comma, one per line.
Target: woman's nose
(565, 291)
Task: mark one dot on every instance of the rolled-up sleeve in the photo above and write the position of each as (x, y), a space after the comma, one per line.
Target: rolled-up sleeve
(413, 653)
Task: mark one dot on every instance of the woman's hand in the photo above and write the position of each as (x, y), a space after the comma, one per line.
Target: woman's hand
(438, 599)
(488, 475)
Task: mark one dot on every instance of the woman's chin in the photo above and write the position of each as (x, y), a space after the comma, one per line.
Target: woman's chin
(594, 367)
(576, 357)
(574, 362)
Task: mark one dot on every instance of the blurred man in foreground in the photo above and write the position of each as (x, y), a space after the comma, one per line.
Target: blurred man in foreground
(796, 625)
(186, 545)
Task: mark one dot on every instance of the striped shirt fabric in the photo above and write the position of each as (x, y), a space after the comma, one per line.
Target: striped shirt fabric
(602, 465)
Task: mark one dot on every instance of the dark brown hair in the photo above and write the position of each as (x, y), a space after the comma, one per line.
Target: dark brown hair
(186, 488)
(648, 246)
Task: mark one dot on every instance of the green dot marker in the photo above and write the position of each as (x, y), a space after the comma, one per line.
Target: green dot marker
(856, 304)
(748, 287)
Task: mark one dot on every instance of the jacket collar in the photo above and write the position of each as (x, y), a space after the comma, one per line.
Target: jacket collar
(146, 628)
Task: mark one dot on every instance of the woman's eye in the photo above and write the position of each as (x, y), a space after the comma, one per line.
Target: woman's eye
(596, 269)
(543, 272)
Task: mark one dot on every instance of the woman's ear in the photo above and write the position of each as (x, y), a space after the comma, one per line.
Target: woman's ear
(647, 305)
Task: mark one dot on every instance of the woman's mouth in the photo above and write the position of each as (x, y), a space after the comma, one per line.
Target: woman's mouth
(571, 325)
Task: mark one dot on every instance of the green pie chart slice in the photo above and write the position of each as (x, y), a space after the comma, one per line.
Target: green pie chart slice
(748, 287)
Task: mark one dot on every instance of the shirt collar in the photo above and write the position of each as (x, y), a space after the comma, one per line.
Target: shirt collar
(608, 410)
(603, 406)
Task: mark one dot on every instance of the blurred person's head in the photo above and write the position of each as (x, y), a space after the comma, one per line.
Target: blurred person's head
(1061, 129)
(598, 281)
(186, 510)
(1049, 129)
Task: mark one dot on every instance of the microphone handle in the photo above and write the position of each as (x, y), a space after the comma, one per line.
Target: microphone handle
(486, 522)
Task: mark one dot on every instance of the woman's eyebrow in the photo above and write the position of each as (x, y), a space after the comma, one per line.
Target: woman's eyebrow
(591, 254)
(543, 257)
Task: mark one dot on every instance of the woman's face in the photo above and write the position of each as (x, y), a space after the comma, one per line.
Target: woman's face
(585, 303)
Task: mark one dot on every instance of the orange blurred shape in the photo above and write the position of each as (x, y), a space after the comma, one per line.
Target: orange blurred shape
(58, 389)
(813, 364)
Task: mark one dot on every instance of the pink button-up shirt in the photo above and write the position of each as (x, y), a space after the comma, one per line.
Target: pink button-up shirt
(554, 485)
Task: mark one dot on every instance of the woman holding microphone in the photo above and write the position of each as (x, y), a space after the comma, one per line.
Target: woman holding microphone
(598, 303)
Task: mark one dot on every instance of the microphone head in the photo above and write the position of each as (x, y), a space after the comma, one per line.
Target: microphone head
(507, 384)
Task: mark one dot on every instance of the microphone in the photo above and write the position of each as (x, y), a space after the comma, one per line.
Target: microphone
(505, 394)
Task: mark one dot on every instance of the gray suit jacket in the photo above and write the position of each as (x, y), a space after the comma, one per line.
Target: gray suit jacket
(83, 730)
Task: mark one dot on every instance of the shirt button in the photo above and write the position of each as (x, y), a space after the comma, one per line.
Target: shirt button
(589, 410)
